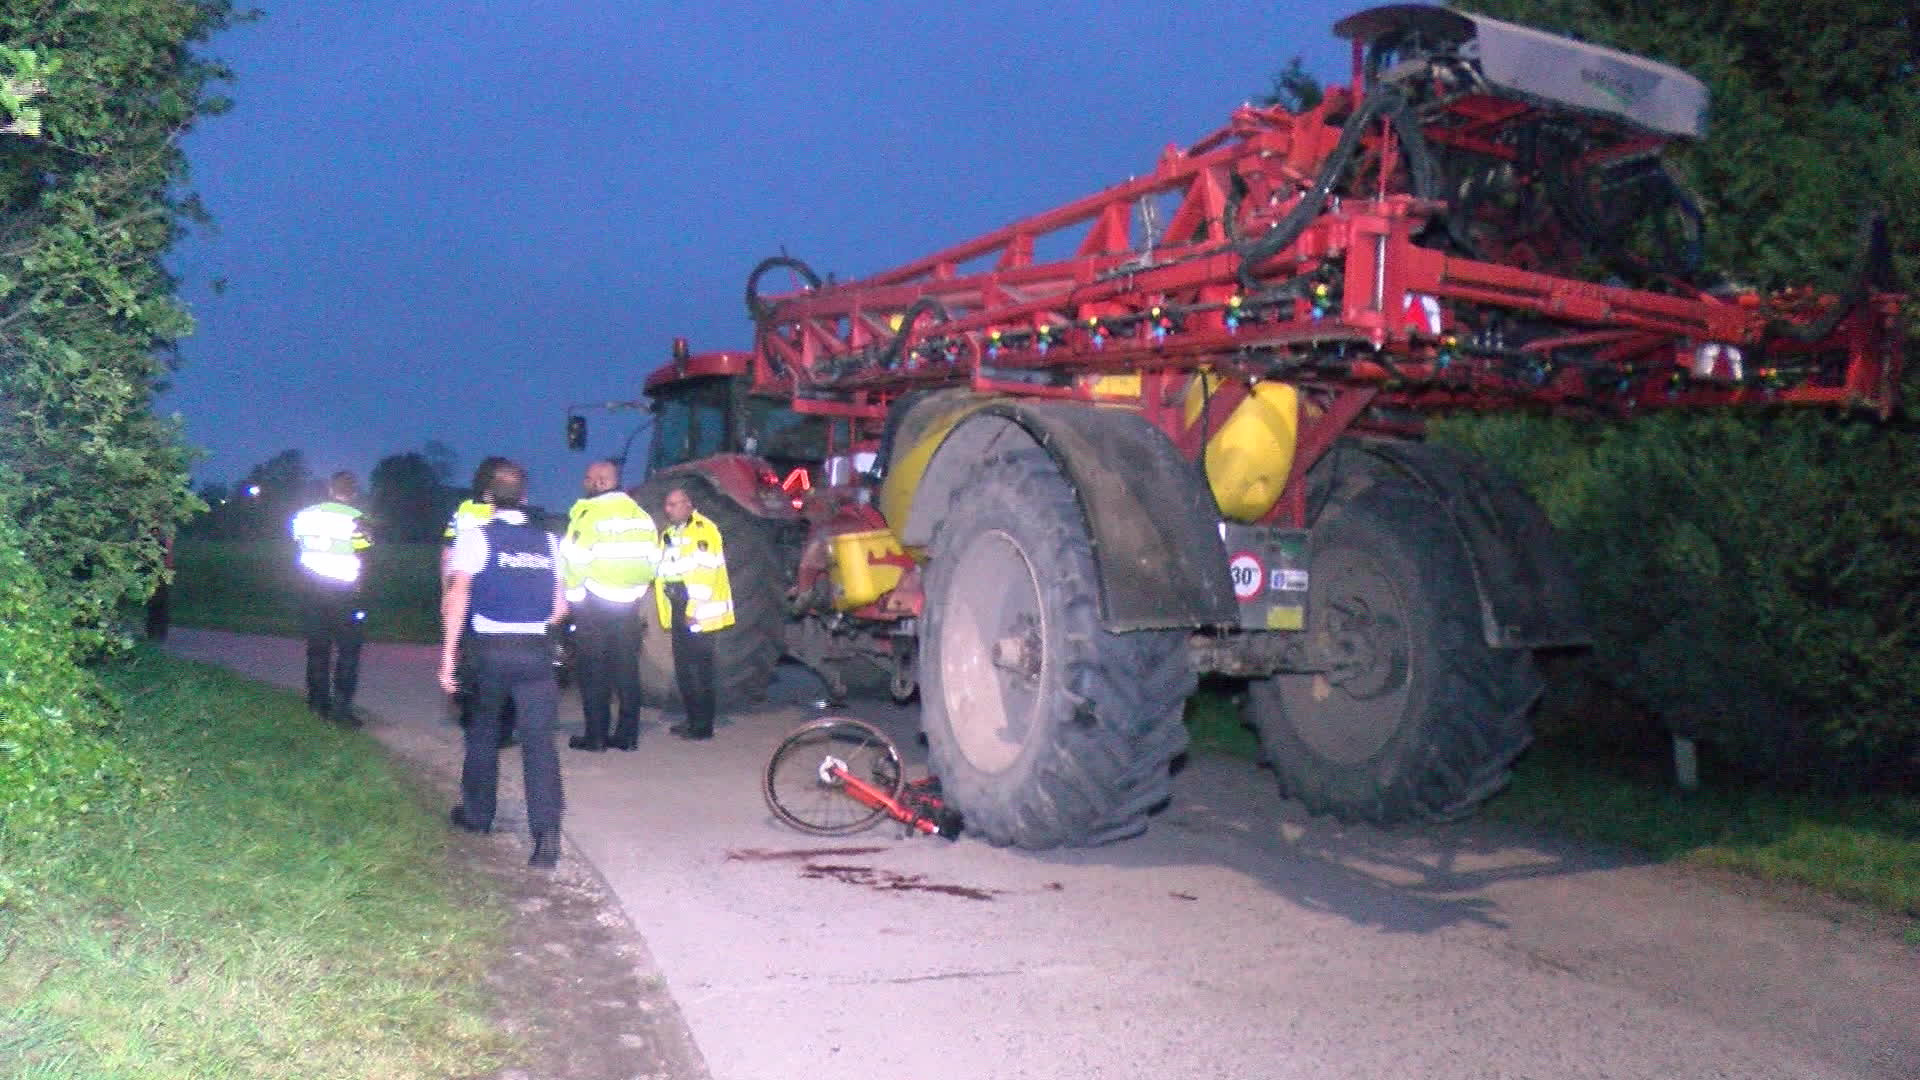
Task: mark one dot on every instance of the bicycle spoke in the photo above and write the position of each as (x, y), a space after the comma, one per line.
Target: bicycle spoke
(804, 783)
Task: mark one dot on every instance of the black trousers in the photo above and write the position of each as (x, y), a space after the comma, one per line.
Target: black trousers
(466, 675)
(606, 657)
(334, 626)
(693, 672)
(516, 668)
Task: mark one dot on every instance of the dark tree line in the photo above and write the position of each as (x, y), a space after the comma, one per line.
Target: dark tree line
(409, 495)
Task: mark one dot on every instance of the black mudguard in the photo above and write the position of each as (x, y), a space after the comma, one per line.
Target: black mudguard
(1155, 529)
(1529, 594)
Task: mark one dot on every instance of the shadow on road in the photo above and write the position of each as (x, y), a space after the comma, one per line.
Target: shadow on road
(1228, 813)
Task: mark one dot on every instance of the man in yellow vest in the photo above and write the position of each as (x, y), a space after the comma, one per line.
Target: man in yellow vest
(695, 600)
(331, 540)
(610, 554)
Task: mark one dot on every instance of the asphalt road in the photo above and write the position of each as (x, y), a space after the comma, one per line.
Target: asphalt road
(1238, 938)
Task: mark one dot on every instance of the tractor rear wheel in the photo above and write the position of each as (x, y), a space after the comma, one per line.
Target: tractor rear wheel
(746, 653)
(1418, 719)
(1044, 728)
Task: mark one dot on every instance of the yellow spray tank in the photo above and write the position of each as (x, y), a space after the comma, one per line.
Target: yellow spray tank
(1249, 458)
(866, 566)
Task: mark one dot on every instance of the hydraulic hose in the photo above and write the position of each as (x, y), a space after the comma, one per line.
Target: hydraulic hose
(1423, 170)
(759, 310)
(1286, 230)
(1872, 266)
(890, 356)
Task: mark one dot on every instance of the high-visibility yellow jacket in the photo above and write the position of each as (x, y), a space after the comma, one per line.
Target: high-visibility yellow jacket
(694, 558)
(611, 549)
(330, 537)
(469, 514)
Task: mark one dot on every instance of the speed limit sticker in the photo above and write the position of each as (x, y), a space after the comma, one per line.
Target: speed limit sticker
(1248, 575)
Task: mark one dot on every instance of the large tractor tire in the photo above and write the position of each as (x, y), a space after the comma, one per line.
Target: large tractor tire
(746, 653)
(1045, 729)
(1419, 720)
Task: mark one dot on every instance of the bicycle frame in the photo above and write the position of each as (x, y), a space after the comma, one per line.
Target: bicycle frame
(834, 771)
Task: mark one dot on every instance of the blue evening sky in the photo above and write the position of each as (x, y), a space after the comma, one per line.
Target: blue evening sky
(447, 220)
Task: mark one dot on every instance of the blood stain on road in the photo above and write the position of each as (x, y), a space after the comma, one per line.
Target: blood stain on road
(888, 881)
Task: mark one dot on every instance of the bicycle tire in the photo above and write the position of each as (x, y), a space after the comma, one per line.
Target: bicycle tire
(796, 794)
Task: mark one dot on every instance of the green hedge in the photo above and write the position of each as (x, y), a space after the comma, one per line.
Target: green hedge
(1754, 579)
(54, 762)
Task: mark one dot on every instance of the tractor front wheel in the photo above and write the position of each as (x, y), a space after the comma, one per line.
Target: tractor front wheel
(1044, 728)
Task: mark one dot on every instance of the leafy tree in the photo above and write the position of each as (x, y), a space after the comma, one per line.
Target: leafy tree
(442, 459)
(1753, 572)
(269, 495)
(87, 312)
(1814, 119)
(410, 500)
(54, 762)
(283, 481)
(1293, 87)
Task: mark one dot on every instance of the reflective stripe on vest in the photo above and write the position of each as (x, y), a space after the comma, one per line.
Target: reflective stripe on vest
(472, 513)
(611, 549)
(330, 540)
(694, 557)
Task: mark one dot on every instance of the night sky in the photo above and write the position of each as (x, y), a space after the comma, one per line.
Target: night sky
(446, 220)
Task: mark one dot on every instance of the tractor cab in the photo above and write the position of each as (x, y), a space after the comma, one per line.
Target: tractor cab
(703, 407)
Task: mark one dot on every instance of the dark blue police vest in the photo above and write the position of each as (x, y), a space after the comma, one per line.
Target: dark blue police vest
(516, 585)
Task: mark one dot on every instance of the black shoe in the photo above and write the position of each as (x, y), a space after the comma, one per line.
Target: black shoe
(587, 743)
(461, 821)
(688, 731)
(344, 715)
(546, 851)
(628, 742)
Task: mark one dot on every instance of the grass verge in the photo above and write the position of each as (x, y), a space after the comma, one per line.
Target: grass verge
(276, 902)
(1860, 848)
(249, 587)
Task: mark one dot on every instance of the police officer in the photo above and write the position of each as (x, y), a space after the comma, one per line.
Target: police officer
(611, 552)
(506, 584)
(472, 513)
(331, 538)
(694, 598)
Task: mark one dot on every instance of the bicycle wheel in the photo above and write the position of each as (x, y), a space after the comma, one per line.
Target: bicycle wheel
(803, 790)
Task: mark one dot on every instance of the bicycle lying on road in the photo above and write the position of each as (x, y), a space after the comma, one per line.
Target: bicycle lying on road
(838, 775)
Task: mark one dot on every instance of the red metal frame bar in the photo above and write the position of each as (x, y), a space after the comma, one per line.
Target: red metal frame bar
(1354, 310)
(867, 794)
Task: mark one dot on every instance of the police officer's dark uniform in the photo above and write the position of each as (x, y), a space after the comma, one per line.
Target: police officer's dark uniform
(472, 513)
(331, 538)
(506, 580)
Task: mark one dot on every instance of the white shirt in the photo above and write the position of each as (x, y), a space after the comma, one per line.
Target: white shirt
(470, 557)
